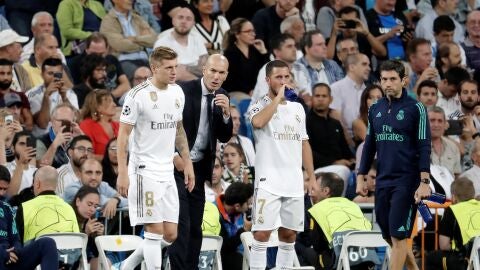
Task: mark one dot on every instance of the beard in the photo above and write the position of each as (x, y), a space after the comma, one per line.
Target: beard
(469, 105)
(77, 162)
(96, 83)
(4, 85)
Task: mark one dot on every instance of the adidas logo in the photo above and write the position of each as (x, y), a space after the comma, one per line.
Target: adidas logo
(155, 106)
(401, 229)
(379, 114)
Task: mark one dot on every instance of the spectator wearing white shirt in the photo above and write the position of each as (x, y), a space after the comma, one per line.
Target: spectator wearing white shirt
(347, 92)
(43, 98)
(189, 45)
(474, 173)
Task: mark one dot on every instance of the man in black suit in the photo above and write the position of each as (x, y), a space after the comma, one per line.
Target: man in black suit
(206, 119)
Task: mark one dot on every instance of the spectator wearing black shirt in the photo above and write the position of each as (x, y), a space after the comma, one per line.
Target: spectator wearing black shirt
(110, 163)
(94, 73)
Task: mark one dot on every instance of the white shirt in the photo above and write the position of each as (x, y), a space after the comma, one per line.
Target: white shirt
(35, 97)
(448, 105)
(66, 177)
(474, 175)
(187, 55)
(424, 28)
(346, 99)
(27, 176)
(154, 114)
(301, 78)
(278, 162)
(210, 195)
(201, 141)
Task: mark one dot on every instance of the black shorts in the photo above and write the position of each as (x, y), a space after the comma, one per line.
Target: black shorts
(395, 211)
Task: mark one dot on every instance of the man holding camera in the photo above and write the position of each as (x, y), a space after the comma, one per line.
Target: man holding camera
(43, 98)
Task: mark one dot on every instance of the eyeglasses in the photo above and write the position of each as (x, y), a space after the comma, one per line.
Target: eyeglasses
(113, 149)
(83, 149)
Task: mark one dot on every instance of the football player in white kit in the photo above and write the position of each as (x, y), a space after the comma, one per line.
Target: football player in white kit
(153, 111)
(282, 144)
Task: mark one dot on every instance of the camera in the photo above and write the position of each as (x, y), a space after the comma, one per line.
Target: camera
(455, 127)
(349, 24)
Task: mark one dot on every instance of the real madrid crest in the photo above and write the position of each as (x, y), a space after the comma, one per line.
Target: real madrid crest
(177, 104)
(260, 220)
(153, 96)
(149, 212)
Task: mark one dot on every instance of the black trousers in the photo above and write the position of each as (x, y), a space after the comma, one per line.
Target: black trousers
(184, 252)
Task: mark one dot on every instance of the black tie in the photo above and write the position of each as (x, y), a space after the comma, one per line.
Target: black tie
(209, 106)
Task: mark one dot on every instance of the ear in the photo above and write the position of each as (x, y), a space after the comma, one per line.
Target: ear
(447, 124)
(405, 80)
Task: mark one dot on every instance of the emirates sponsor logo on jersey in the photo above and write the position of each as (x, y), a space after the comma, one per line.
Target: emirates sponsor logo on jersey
(289, 134)
(168, 123)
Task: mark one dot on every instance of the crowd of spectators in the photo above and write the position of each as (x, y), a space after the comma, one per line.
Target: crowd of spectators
(67, 65)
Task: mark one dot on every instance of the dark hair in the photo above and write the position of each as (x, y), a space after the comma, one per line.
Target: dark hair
(76, 139)
(51, 62)
(413, 45)
(455, 75)
(333, 182)
(235, 28)
(239, 149)
(109, 174)
(274, 64)
(238, 192)
(472, 81)
(463, 189)
(348, 10)
(277, 41)
(443, 23)
(5, 62)
(196, 12)
(317, 85)
(81, 193)
(20, 134)
(426, 83)
(5, 174)
(442, 51)
(89, 63)
(96, 37)
(434, 3)
(219, 160)
(363, 101)
(307, 39)
(393, 65)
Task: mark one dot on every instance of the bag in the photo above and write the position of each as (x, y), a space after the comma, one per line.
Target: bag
(446, 260)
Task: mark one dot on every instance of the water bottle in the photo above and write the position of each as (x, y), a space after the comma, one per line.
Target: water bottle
(437, 197)
(290, 95)
(425, 212)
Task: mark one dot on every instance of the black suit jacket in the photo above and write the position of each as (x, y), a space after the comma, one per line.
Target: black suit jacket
(191, 119)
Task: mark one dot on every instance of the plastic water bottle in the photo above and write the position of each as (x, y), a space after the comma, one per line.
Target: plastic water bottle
(425, 212)
(290, 95)
(437, 197)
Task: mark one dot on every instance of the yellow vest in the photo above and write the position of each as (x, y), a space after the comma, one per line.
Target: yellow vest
(47, 214)
(339, 214)
(211, 220)
(467, 215)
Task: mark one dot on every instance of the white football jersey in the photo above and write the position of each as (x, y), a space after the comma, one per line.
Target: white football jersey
(278, 161)
(154, 114)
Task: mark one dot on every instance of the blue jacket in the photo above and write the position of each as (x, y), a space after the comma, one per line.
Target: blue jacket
(399, 132)
(8, 231)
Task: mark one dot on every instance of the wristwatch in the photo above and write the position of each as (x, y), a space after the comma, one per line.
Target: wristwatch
(425, 181)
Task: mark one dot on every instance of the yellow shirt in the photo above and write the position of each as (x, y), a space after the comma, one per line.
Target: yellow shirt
(35, 74)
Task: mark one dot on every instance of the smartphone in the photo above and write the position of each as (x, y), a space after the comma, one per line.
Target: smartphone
(407, 30)
(248, 214)
(349, 24)
(8, 119)
(99, 215)
(31, 142)
(455, 127)
(67, 126)
(58, 76)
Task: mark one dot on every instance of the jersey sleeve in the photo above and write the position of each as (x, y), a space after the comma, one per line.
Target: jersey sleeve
(303, 125)
(256, 108)
(369, 147)
(423, 138)
(130, 110)
(181, 101)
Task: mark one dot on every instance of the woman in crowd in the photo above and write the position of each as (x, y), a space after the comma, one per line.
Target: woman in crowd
(85, 204)
(359, 126)
(235, 168)
(211, 27)
(110, 164)
(77, 20)
(246, 56)
(97, 113)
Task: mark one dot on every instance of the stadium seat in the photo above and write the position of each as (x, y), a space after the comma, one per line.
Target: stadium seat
(367, 239)
(70, 241)
(115, 243)
(474, 263)
(247, 239)
(211, 243)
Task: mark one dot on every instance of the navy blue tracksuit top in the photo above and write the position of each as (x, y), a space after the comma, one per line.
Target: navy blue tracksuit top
(399, 132)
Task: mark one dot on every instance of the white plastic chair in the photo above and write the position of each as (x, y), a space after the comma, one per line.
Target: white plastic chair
(115, 243)
(474, 263)
(367, 239)
(213, 243)
(71, 241)
(247, 239)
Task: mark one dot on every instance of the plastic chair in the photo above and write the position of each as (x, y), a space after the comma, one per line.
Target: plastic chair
(368, 239)
(474, 263)
(71, 241)
(247, 239)
(115, 243)
(213, 243)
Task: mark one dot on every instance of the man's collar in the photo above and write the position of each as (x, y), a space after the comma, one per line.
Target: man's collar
(47, 192)
(204, 88)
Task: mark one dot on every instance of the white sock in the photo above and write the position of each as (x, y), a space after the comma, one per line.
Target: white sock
(152, 250)
(134, 259)
(285, 255)
(258, 255)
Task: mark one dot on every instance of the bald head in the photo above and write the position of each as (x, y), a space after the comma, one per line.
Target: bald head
(45, 179)
(215, 71)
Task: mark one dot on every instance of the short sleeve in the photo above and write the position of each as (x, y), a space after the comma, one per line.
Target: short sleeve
(256, 108)
(130, 110)
(181, 99)
(303, 125)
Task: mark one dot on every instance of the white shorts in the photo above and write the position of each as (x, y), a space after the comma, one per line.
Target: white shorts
(152, 201)
(271, 212)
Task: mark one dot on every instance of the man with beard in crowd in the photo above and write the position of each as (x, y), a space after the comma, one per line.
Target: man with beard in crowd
(79, 150)
(93, 73)
(6, 77)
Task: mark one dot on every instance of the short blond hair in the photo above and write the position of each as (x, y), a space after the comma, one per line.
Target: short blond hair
(162, 53)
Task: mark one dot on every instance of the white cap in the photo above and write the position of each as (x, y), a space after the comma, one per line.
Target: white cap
(9, 36)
